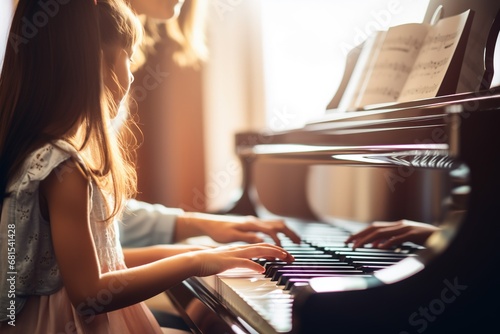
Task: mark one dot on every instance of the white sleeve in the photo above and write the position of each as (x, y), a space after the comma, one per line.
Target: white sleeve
(145, 224)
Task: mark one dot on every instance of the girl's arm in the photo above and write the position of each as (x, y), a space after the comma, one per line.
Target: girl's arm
(92, 291)
(138, 256)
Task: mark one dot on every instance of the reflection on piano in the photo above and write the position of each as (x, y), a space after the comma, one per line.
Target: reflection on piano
(434, 161)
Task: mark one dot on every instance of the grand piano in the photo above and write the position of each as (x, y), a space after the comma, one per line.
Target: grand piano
(433, 160)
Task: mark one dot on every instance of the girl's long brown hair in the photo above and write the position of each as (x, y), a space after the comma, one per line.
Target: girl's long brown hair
(51, 84)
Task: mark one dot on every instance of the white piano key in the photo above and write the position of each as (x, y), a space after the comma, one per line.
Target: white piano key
(256, 299)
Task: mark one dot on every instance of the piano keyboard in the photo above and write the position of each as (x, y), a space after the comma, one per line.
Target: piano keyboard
(265, 300)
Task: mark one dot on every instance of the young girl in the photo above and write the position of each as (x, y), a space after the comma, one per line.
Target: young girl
(65, 173)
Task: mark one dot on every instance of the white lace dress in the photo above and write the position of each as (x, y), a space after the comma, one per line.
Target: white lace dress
(42, 303)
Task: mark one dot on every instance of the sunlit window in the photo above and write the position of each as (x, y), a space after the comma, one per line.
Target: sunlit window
(305, 43)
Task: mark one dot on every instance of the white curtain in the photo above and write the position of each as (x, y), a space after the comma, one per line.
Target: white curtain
(232, 91)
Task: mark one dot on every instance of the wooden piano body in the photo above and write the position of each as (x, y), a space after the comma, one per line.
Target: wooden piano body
(434, 161)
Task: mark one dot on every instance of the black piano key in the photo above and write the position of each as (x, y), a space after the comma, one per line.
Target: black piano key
(324, 248)
(378, 250)
(349, 259)
(359, 263)
(316, 259)
(328, 244)
(296, 281)
(299, 258)
(313, 265)
(305, 281)
(312, 256)
(307, 252)
(279, 273)
(327, 239)
(305, 261)
(296, 287)
(285, 277)
(260, 261)
(271, 264)
(271, 267)
(372, 268)
(310, 266)
(345, 256)
(398, 255)
(296, 246)
(298, 267)
(366, 250)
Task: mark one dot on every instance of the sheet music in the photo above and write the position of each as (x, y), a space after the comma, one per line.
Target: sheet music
(434, 58)
(393, 64)
(406, 62)
(351, 98)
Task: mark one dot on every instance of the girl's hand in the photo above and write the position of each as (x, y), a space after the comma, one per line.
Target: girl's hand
(216, 260)
(387, 234)
(225, 229)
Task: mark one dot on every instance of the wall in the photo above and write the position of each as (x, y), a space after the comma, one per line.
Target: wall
(170, 159)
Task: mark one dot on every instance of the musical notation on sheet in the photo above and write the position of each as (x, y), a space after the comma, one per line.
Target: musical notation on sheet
(401, 43)
(407, 62)
(394, 62)
(434, 59)
(439, 41)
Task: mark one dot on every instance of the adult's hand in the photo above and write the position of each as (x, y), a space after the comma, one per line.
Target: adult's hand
(388, 234)
(225, 229)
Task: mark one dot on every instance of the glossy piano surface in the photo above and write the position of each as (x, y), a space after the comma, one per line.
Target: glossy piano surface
(444, 172)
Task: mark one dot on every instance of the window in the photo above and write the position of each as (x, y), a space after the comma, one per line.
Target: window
(305, 43)
(275, 65)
